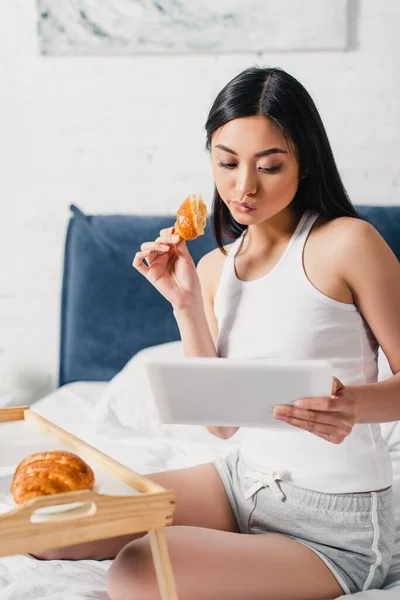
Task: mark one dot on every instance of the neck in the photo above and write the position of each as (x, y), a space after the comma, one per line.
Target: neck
(277, 230)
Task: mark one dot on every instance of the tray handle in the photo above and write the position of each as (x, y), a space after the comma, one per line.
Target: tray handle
(30, 506)
(24, 512)
(106, 507)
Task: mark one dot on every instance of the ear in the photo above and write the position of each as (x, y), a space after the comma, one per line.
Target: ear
(305, 173)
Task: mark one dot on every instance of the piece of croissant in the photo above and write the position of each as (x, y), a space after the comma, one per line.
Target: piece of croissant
(46, 473)
(191, 218)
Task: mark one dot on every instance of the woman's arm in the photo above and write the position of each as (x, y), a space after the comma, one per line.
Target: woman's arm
(195, 333)
(378, 402)
(372, 272)
(168, 266)
(197, 323)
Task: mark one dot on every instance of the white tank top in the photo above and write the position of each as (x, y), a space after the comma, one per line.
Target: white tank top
(282, 315)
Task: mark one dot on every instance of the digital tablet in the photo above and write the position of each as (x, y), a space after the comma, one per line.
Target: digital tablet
(232, 392)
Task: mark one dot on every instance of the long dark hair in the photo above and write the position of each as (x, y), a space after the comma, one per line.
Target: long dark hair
(279, 96)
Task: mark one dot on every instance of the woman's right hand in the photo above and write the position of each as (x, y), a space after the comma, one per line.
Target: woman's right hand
(170, 269)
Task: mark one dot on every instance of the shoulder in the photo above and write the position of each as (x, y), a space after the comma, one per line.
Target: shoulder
(342, 227)
(355, 246)
(209, 268)
(372, 272)
(214, 258)
(348, 227)
(351, 235)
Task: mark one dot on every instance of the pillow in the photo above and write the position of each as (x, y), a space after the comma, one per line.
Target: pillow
(127, 404)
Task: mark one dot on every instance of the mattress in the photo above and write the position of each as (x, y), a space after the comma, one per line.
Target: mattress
(72, 407)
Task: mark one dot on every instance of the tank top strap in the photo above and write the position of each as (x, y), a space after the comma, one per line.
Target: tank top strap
(236, 245)
(299, 239)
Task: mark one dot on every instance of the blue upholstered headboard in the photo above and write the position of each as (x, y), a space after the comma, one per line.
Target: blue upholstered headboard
(109, 311)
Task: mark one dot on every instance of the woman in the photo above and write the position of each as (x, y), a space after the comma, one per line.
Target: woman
(305, 278)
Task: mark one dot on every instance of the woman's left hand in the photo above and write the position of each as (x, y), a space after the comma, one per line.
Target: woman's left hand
(331, 418)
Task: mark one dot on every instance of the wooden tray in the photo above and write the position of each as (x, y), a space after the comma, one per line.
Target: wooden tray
(150, 510)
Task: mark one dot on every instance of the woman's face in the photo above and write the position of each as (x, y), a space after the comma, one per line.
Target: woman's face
(255, 171)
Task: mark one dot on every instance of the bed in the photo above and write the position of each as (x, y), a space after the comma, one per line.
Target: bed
(111, 320)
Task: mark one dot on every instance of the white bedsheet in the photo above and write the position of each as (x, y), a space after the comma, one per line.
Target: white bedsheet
(72, 407)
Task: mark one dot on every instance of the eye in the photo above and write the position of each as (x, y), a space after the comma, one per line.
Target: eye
(270, 169)
(227, 165)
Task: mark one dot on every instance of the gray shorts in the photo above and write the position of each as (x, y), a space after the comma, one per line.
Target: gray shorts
(352, 533)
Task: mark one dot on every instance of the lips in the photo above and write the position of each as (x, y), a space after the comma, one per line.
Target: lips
(241, 207)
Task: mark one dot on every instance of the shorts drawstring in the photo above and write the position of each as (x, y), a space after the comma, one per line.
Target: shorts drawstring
(264, 480)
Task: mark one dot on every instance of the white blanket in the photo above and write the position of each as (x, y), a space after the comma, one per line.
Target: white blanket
(149, 449)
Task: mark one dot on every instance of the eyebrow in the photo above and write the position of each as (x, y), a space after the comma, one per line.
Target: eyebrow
(258, 154)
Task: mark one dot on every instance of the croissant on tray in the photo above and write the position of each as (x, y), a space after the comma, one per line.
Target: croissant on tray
(54, 472)
(191, 218)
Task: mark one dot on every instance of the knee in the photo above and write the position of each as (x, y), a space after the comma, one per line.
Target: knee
(132, 575)
(53, 554)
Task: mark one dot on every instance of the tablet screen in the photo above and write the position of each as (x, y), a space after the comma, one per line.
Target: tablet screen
(232, 392)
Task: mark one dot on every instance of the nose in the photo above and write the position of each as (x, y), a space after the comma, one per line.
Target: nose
(246, 183)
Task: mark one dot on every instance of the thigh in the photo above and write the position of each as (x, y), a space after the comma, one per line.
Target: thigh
(201, 500)
(209, 564)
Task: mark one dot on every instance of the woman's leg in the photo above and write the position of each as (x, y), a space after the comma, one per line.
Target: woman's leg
(201, 501)
(210, 564)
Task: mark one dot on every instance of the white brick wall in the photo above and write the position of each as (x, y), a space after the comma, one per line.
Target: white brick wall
(126, 135)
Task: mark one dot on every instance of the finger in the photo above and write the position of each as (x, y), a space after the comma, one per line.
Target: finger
(337, 431)
(137, 262)
(183, 250)
(151, 246)
(341, 421)
(151, 257)
(329, 418)
(323, 403)
(311, 426)
(337, 386)
(166, 232)
(168, 239)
